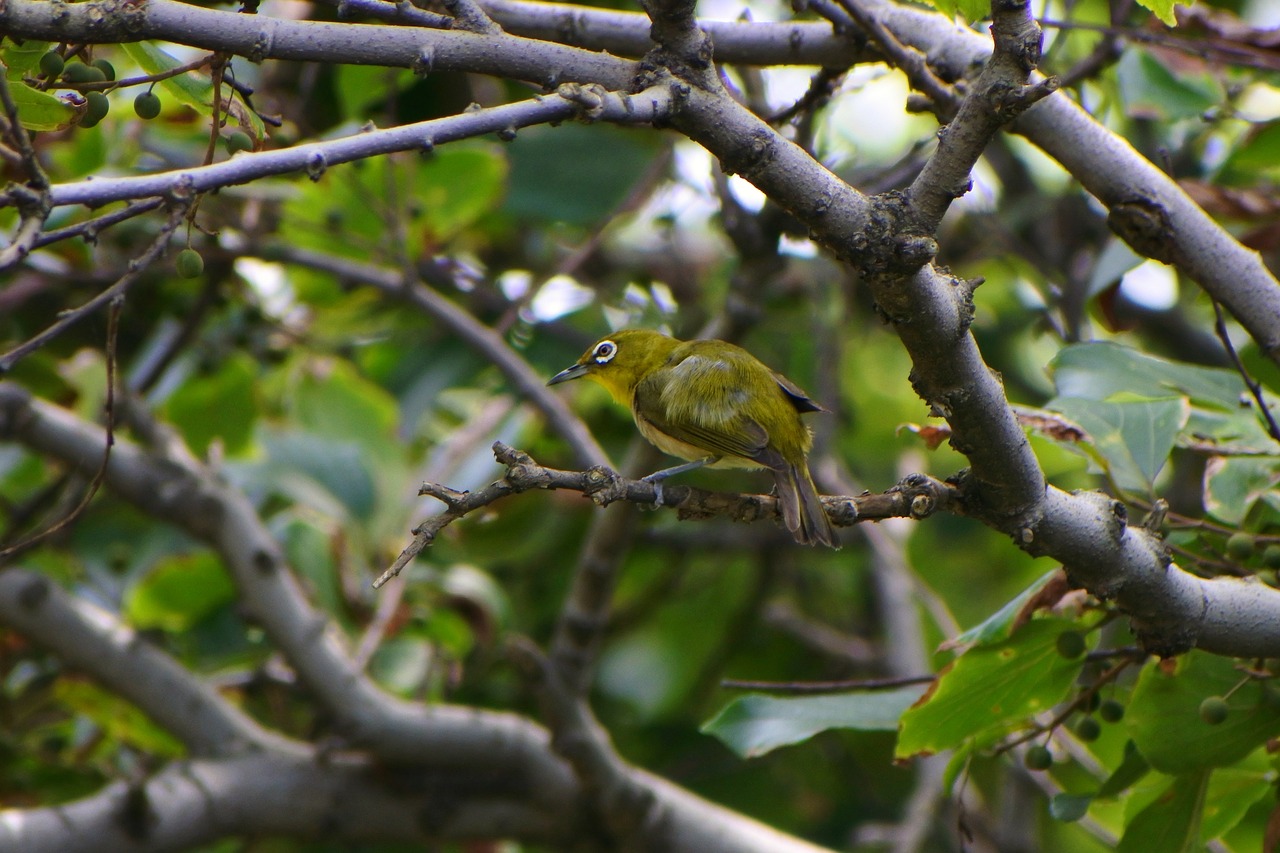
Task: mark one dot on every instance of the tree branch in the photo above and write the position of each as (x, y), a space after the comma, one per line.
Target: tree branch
(502, 752)
(931, 312)
(137, 266)
(569, 101)
(627, 34)
(345, 798)
(92, 640)
(260, 37)
(32, 198)
(1147, 208)
(917, 496)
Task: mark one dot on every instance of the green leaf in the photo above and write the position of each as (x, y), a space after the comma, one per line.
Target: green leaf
(754, 725)
(1069, 808)
(1098, 371)
(179, 592)
(1163, 9)
(1133, 438)
(999, 625)
(971, 10)
(1171, 823)
(558, 175)
(193, 88)
(1151, 90)
(402, 664)
(1132, 768)
(444, 195)
(360, 88)
(21, 58)
(1163, 717)
(118, 719)
(974, 10)
(1115, 260)
(333, 400)
(1232, 792)
(40, 110)
(315, 471)
(311, 552)
(990, 691)
(1233, 486)
(218, 406)
(1257, 155)
(456, 186)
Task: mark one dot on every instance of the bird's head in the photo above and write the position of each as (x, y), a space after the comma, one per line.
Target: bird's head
(619, 361)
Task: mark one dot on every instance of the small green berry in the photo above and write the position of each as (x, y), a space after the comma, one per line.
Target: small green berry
(96, 107)
(108, 70)
(78, 72)
(51, 64)
(189, 263)
(1240, 546)
(1071, 644)
(237, 141)
(1111, 711)
(1038, 758)
(1271, 556)
(147, 105)
(1214, 710)
(1088, 729)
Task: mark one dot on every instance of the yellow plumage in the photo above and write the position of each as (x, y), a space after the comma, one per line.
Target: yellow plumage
(713, 401)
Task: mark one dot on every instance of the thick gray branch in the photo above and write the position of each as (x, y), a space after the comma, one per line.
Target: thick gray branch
(1171, 610)
(192, 499)
(343, 798)
(93, 641)
(1148, 209)
(627, 34)
(931, 313)
(260, 37)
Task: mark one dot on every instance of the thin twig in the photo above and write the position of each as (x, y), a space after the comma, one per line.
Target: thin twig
(842, 686)
(395, 11)
(112, 85)
(468, 16)
(821, 87)
(917, 496)
(70, 317)
(32, 199)
(90, 228)
(1218, 51)
(109, 409)
(451, 455)
(1255, 388)
(1080, 701)
(909, 60)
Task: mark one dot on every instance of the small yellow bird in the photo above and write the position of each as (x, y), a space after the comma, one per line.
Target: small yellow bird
(717, 405)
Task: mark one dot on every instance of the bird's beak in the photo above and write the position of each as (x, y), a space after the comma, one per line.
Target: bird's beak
(577, 371)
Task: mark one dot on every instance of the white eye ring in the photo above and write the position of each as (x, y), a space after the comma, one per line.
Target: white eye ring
(604, 352)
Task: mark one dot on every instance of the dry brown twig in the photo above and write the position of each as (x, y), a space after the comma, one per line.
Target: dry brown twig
(916, 496)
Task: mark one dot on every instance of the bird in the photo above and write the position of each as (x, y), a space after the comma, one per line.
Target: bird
(716, 405)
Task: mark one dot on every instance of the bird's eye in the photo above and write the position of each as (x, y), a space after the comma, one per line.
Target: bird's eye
(605, 351)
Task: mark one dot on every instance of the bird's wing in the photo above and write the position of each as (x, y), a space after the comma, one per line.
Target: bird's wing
(698, 401)
(796, 396)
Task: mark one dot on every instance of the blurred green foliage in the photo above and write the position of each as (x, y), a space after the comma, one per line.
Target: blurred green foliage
(327, 404)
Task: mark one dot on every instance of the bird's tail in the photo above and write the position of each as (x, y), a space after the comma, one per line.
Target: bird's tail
(802, 509)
